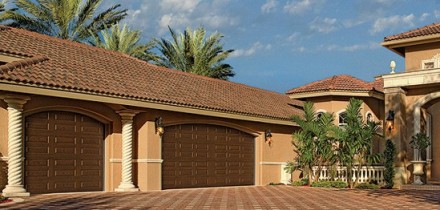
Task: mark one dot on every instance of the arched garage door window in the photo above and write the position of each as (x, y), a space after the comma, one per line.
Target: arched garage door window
(200, 155)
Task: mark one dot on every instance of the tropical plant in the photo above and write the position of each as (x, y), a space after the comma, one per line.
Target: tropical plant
(66, 19)
(123, 39)
(389, 154)
(192, 52)
(2, 7)
(420, 141)
(312, 143)
(355, 140)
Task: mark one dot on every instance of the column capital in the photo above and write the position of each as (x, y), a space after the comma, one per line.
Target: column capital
(15, 101)
(127, 115)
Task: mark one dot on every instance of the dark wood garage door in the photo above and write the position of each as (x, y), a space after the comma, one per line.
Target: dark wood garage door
(64, 153)
(198, 155)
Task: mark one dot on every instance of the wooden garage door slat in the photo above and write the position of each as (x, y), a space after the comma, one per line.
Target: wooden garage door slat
(198, 155)
(64, 153)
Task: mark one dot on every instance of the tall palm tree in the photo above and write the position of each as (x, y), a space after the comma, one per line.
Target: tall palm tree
(124, 40)
(191, 52)
(66, 19)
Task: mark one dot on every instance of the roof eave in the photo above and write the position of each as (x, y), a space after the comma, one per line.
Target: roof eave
(45, 91)
(395, 45)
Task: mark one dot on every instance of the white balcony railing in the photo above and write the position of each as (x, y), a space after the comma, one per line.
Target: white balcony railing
(365, 174)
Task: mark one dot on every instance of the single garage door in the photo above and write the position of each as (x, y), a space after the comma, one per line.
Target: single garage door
(197, 155)
(64, 153)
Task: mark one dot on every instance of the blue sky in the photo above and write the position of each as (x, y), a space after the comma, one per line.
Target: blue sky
(285, 44)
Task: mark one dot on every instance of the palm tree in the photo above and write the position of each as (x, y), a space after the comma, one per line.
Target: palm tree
(66, 19)
(312, 144)
(124, 40)
(191, 52)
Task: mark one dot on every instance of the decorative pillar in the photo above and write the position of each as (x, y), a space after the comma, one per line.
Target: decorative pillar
(127, 152)
(15, 146)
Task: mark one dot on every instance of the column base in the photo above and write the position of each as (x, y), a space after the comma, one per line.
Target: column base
(126, 187)
(15, 191)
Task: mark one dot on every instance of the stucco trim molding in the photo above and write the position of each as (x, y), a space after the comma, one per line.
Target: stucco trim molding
(403, 79)
(216, 122)
(272, 163)
(119, 160)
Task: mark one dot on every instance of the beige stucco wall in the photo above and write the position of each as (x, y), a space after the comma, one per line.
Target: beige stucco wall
(147, 144)
(434, 110)
(415, 54)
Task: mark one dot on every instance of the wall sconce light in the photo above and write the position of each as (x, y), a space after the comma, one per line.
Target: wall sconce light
(392, 67)
(268, 136)
(159, 126)
(390, 120)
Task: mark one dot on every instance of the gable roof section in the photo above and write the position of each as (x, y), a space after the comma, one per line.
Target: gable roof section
(339, 83)
(418, 32)
(422, 35)
(69, 66)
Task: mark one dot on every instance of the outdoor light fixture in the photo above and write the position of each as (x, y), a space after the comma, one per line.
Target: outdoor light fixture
(390, 120)
(159, 126)
(392, 67)
(268, 136)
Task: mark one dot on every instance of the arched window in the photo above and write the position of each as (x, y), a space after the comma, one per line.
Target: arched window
(319, 113)
(369, 117)
(342, 118)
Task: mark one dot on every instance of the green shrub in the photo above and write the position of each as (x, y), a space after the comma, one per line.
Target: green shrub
(278, 183)
(389, 153)
(330, 184)
(366, 186)
(302, 182)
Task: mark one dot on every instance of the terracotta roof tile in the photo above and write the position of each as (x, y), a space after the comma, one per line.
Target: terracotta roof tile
(423, 31)
(56, 63)
(338, 83)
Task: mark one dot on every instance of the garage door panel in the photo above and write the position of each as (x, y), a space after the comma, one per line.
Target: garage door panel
(206, 156)
(69, 160)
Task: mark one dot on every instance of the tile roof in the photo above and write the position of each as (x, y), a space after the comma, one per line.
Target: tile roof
(423, 31)
(339, 83)
(55, 63)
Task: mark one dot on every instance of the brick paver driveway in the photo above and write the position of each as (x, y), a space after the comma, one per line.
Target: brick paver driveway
(261, 197)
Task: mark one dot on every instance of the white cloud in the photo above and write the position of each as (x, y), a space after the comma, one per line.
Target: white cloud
(269, 6)
(179, 5)
(293, 37)
(297, 7)
(437, 13)
(172, 21)
(392, 22)
(350, 48)
(257, 46)
(216, 21)
(325, 25)
(424, 16)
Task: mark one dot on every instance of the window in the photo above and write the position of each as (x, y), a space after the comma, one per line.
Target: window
(432, 63)
(319, 113)
(428, 65)
(342, 119)
(370, 117)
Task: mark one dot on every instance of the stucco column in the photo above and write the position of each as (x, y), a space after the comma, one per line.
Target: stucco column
(15, 146)
(395, 99)
(127, 152)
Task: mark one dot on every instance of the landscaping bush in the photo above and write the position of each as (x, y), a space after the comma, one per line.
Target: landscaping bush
(273, 183)
(330, 184)
(367, 186)
(389, 153)
(302, 182)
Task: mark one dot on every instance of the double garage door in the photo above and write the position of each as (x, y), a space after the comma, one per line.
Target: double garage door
(199, 155)
(64, 153)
